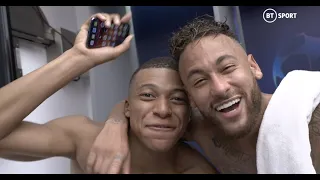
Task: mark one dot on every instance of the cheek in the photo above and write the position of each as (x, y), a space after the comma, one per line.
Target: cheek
(135, 124)
(183, 115)
(138, 113)
(201, 96)
(243, 80)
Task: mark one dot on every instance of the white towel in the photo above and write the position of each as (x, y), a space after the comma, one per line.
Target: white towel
(283, 145)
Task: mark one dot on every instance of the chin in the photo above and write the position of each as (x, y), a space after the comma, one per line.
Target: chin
(236, 134)
(237, 130)
(161, 145)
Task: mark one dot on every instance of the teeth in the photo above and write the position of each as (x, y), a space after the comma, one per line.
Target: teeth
(162, 126)
(228, 104)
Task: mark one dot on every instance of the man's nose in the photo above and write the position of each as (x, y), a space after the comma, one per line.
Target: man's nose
(162, 108)
(219, 85)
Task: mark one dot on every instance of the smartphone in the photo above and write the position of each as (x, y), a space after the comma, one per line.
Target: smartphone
(101, 36)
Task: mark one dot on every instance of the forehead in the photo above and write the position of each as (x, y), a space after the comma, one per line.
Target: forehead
(161, 77)
(210, 48)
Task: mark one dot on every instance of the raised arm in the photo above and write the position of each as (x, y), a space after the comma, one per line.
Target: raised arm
(21, 97)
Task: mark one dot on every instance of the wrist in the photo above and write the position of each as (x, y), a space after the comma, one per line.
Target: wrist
(79, 58)
(122, 125)
(115, 120)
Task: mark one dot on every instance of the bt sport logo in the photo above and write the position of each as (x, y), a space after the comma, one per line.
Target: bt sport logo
(270, 15)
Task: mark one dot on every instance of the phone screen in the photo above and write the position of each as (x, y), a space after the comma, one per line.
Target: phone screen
(101, 36)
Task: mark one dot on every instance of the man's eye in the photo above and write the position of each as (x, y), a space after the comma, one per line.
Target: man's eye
(146, 95)
(199, 81)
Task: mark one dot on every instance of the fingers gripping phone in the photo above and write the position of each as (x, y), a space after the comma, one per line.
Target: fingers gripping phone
(101, 36)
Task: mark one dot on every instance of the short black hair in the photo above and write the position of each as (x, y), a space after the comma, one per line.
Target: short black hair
(196, 29)
(158, 62)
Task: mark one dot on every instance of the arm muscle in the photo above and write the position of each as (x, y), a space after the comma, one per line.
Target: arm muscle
(31, 141)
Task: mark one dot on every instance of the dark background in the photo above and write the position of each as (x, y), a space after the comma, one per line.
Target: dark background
(154, 25)
(283, 45)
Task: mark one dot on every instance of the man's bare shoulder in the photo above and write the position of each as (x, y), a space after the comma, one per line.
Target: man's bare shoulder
(190, 161)
(85, 133)
(314, 135)
(88, 133)
(79, 126)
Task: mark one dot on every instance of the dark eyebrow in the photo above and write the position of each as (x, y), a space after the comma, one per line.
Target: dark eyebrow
(218, 61)
(223, 57)
(149, 85)
(194, 71)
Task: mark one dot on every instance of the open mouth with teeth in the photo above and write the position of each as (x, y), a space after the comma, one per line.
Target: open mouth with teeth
(229, 106)
(161, 127)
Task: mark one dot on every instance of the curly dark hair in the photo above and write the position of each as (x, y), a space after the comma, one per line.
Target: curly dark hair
(199, 27)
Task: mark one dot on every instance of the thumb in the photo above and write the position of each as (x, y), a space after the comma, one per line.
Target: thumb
(126, 18)
(124, 46)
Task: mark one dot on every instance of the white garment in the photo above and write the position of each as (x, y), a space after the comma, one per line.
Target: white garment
(283, 145)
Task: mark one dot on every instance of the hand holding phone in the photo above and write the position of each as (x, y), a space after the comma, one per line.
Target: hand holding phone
(92, 54)
(99, 35)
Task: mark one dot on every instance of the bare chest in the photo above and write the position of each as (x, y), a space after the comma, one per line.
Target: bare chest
(227, 159)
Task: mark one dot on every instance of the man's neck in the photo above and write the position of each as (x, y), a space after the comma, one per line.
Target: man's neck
(145, 160)
(249, 142)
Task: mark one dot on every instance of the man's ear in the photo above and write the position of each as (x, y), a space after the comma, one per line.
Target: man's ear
(255, 69)
(126, 109)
